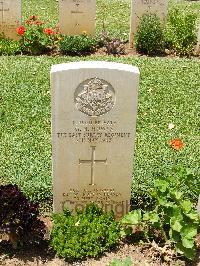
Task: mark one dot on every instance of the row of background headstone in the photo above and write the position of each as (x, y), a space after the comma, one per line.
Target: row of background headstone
(77, 16)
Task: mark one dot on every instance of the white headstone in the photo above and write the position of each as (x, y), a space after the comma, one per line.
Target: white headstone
(141, 7)
(198, 41)
(77, 16)
(198, 205)
(94, 109)
(10, 18)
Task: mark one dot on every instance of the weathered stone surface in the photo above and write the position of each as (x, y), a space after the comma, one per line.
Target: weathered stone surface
(77, 16)
(10, 18)
(94, 109)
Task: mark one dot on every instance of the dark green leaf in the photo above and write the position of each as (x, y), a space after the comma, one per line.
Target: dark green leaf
(174, 235)
(187, 252)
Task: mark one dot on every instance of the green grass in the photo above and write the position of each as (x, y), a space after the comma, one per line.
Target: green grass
(193, 6)
(46, 10)
(169, 92)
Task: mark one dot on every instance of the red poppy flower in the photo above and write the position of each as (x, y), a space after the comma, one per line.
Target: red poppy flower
(176, 144)
(48, 31)
(21, 30)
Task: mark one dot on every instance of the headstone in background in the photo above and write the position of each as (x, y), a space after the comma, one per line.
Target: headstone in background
(77, 16)
(197, 48)
(141, 7)
(198, 205)
(94, 109)
(10, 18)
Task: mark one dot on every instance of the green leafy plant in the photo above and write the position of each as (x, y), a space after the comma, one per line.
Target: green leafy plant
(88, 233)
(77, 45)
(174, 217)
(188, 181)
(9, 47)
(37, 37)
(149, 38)
(117, 262)
(181, 35)
(19, 216)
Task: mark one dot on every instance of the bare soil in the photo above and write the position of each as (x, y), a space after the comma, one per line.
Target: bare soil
(42, 254)
(131, 52)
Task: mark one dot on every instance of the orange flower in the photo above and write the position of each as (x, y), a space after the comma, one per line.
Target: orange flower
(21, 30)
(33, 18)
(38, 22)
(176, 144)
(28, 22)
(48, 31)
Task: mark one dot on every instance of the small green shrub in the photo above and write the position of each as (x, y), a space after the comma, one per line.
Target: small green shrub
(174, 216)
(88, 233)
(9, 47)
(149, 38)
(19, 216)
(77, 45)
(37, 37)
(181, 35)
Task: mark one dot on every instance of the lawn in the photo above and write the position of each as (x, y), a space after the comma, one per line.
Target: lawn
(169, 93)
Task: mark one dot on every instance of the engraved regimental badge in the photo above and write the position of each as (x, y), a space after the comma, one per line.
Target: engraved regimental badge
(94, 97)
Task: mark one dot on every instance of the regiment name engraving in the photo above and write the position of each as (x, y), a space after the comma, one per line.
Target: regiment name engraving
(100, 131)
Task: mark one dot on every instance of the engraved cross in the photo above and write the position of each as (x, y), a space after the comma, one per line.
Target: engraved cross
(92, 162)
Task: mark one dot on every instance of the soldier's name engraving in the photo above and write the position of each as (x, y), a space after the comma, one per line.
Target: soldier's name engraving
(94, 126)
